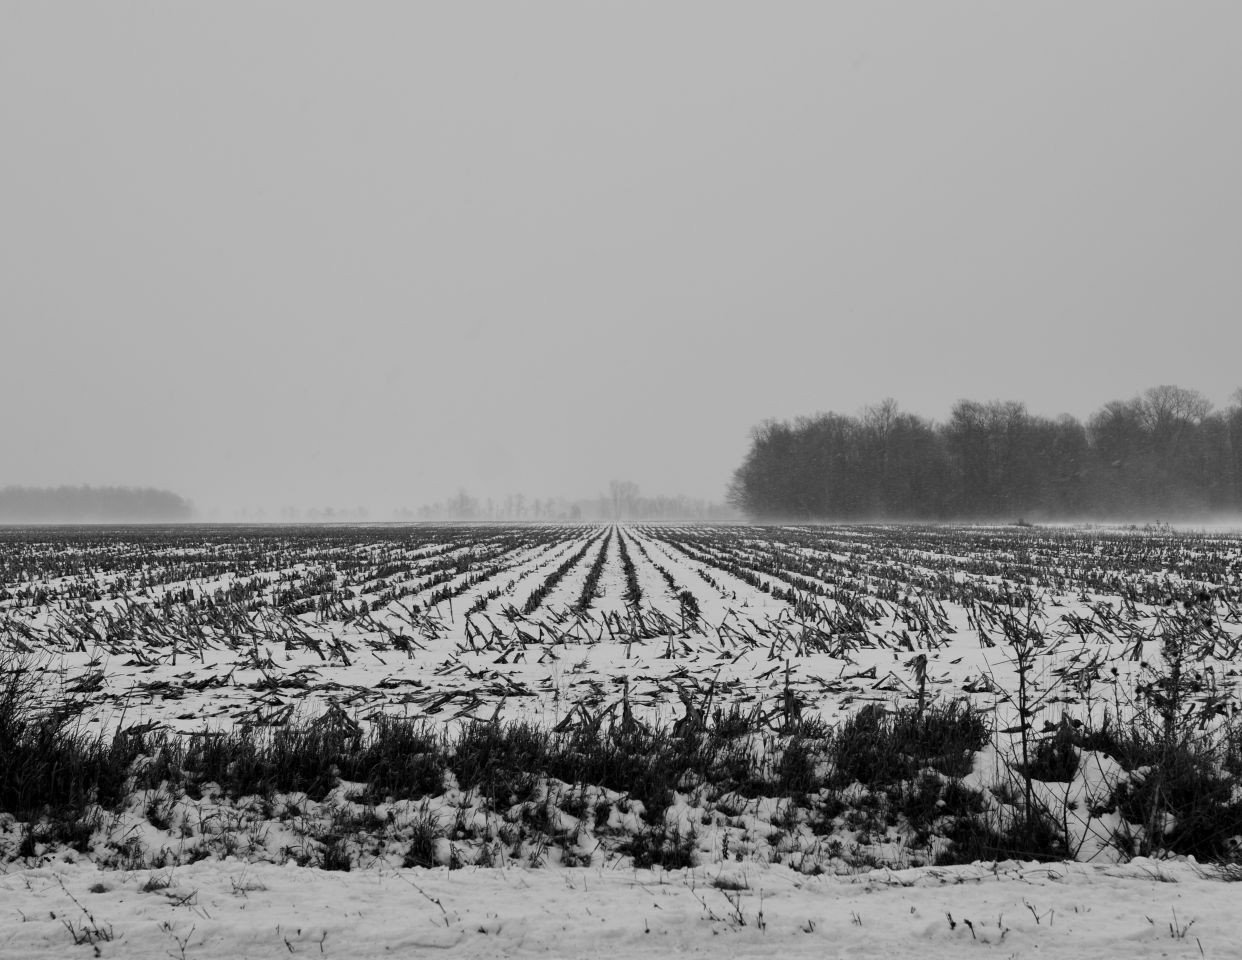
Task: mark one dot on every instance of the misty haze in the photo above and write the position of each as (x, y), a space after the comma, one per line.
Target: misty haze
(620, 478)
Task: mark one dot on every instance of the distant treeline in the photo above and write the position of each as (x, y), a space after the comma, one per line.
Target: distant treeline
(1164, 454)
(623, 501)
(91, 505)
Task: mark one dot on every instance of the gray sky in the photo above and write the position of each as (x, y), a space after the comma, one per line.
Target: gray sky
(363, 253)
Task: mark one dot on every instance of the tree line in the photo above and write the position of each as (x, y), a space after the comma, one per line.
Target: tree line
(623, 501)
(1166, 453)
(86, 504)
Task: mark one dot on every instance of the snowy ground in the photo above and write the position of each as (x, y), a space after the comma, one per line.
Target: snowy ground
(231, 909)
(188, 668)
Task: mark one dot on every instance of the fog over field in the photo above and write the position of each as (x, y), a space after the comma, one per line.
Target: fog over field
(307, 255)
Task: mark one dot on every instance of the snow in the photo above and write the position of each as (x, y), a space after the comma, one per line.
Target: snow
(231, 909)
(266, 905)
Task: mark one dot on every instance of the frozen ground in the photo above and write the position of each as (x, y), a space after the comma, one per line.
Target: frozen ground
(263, 629)
(230, 909)
(124, 658)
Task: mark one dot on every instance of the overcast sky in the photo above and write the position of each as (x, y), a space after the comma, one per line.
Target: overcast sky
(363, 254)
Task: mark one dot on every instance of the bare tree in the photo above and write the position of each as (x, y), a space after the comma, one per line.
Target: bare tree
(624, 497)
(1168, 406)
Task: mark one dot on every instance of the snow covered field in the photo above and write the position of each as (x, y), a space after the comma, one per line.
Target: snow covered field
(222, 627)
(783, 633)
(227, 909)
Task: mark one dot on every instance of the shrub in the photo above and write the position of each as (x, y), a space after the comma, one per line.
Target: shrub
(424, 834)
(874, 747)
(1033, 837)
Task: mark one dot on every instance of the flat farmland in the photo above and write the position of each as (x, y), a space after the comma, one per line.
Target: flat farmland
(190, 628)
(736, 729)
